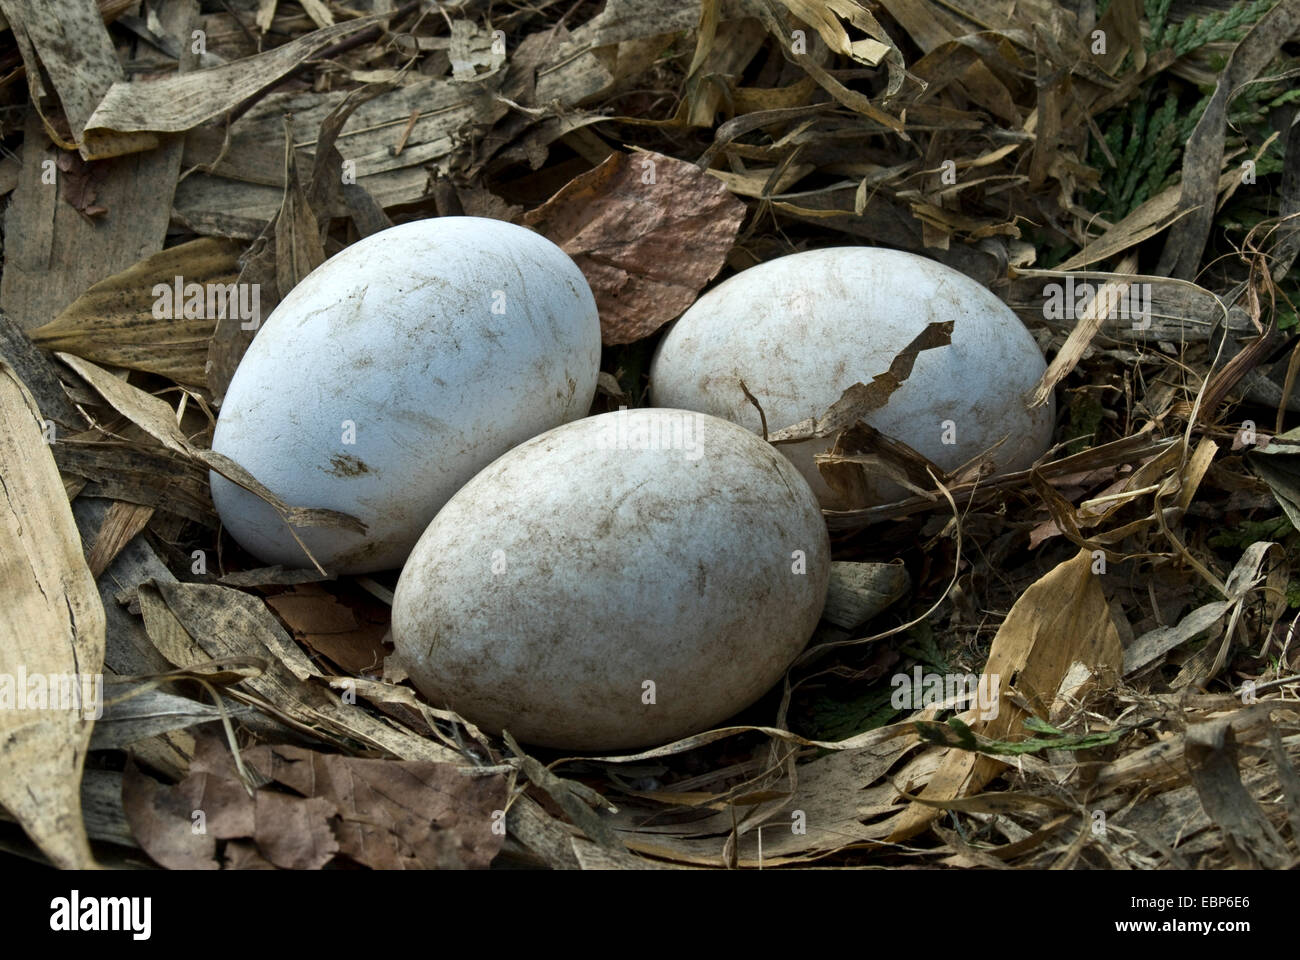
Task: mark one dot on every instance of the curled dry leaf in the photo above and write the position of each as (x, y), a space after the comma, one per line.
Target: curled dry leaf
(81, 69)
(37, 373)
(859, 591)
(1210, 750)
(337, 630)
(862, 398)
(647, 231)
(290, 246)
(192, 623)
(1203, 158)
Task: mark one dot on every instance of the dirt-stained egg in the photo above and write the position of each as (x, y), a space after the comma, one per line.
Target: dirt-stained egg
(801, 329)
(392, 374)
(625, 580)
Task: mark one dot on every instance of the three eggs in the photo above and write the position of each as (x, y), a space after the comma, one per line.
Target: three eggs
(608, 582)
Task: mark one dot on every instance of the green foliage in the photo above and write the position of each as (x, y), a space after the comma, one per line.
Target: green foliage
(838, 715)
(1147, 144)
(1252, 531)
(835, 718)
(957, 734)
(1196, 32)
(923, 646)
(1085, 418)
(1146, 136)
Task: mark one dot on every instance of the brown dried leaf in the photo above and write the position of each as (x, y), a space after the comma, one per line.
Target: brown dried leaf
(81, 180)
(1063, 618)
(122, 523)
(68, 41)
(291, 246)
(53, 626)
(192, 623)
(1203, 175)
(647, 231)
(148, 476)
(179, 103)
(114, 322)
(1085, 329)
(385, 814)
(37, 373)
(862, 398)
(179, 826)
(160, 819)
(396, 815)
(318, 619)
(1210, 750)
(298, 247)
(293, 833)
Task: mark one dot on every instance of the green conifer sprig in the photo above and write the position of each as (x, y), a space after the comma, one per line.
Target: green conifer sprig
(1147, 141)
(1196, 32)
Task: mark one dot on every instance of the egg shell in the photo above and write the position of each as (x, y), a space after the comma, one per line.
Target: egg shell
(801, 329)
(439, 344)
(579, 566)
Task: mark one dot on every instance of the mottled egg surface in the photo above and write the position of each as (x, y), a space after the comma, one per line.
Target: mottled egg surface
(801, 329)
(625, 580)
(392, 374)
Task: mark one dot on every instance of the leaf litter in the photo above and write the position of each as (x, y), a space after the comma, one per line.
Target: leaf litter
(1129, 598)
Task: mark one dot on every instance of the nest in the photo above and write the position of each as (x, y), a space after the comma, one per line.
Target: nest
(1127, 603)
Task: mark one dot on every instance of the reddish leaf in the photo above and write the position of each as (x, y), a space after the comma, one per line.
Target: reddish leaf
(647, 231)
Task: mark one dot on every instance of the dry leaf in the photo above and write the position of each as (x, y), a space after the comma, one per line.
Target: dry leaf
(393, 814)
(179, 103)
(291, 245)
(647, 231)
(37, 373)
(192, 623)
(157, 418)
(1063, 618)
(161, 819)
(68, 41)
(81, 180)
(1210, 750)
(1203, 157)
(384, 814)
(118, 322)
(861, 398)
(52, 630)
(318, 619)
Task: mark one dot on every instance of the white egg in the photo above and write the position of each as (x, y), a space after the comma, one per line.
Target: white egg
(392, 374)
(801, 329)
(625, 580)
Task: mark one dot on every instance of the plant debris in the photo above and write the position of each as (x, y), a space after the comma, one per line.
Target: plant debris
(1087, 664)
